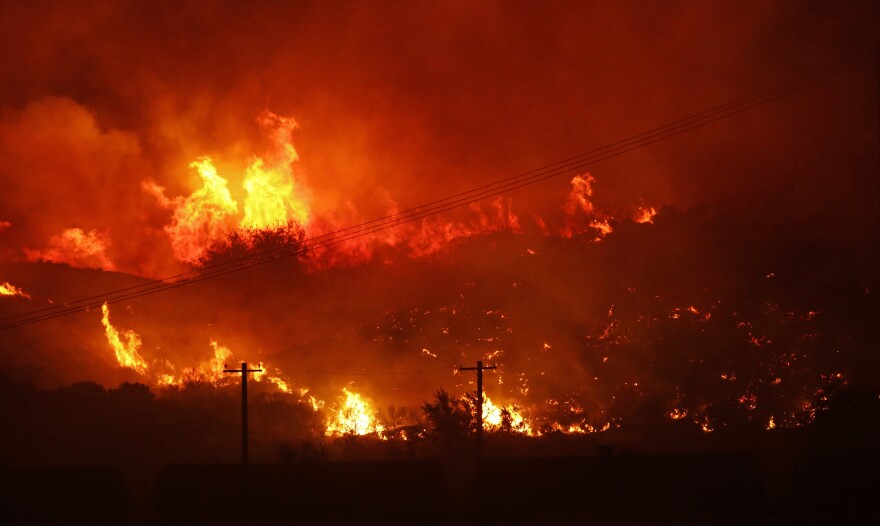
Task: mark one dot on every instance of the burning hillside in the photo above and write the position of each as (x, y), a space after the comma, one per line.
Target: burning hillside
(585, 337)
(338, 206)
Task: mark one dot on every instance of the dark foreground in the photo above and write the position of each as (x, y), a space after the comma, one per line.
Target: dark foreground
(734, 488)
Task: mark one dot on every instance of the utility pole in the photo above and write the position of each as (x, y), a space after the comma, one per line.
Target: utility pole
(479, 368)
(244, 421)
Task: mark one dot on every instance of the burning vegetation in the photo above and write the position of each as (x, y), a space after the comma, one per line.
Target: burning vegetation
(587, 340)
(617, 343)
(717, 295)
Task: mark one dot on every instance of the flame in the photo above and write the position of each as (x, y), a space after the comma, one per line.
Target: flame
(431, 236)
(126, 351)
(210, 213)
(273, 197)
(280, 384)
(274, 380)
(76, 248)
(354, 416)
(645, 214)
(580, 203)
(127, 344)
(212, 369)
(316, 404)
(678, 413)
(8, 289)
(705, 425)
(493, 417)
(201, 218)
(581, 428)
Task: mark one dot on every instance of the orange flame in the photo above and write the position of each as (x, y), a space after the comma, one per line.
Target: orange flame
(126, 346)
(8, 289)
(76, 248)
(493, 417)
(202, 217)
(273, 196)
(580, 202)
(354, 416)
(208, 214)
(212, 369)
(127, 354)
(645, 214)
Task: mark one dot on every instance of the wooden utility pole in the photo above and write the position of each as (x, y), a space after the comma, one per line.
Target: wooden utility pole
(479, 368)
(244, 421)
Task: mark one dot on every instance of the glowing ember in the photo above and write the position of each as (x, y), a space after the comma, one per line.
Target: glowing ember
(705, 426)
(8, 289)
(354, 416)
(678, 413)
(125, 345)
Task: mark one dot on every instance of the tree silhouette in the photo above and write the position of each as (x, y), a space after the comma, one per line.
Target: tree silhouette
(281, 239)
(450, 419)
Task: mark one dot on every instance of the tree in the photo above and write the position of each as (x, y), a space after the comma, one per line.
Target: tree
(451, 419)
(283, 239)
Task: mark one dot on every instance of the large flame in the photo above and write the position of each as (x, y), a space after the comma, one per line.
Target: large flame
(273, 195)
(209, 214)
(353, 416)
(201, 218)
(126, 345)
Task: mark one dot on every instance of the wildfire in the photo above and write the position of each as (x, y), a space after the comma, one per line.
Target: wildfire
(8, 289)
(275, 195)
(126, 347)
(354, 416)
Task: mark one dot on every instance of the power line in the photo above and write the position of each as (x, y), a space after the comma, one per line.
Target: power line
(432, 208)
(384, 373)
